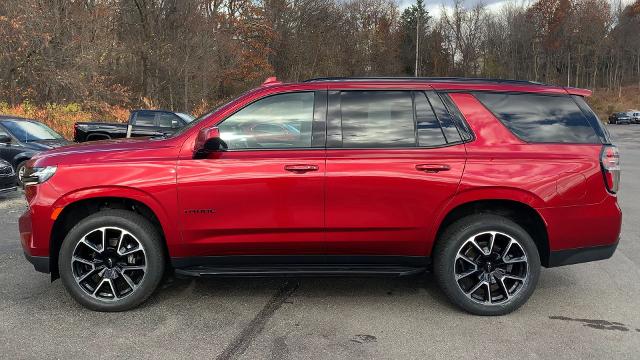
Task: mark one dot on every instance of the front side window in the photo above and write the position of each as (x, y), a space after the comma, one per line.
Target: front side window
(168, 120)
(186, 117)
(275, 122)
(541, 118)
(145, 118)
(375, 119)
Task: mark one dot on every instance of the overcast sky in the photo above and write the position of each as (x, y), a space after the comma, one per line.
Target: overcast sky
(435, 6)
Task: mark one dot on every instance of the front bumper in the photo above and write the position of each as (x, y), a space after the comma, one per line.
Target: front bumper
(581, 255)
(8, 189)
(7, 183)
(40, 263)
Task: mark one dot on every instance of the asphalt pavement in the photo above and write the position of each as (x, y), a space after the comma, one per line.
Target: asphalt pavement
(586, 311)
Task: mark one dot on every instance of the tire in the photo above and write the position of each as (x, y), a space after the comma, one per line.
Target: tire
(20, 171)
(127, 270)
(465, 243)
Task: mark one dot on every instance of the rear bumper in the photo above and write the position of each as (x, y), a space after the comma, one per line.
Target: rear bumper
(581, 255)
(40, 263)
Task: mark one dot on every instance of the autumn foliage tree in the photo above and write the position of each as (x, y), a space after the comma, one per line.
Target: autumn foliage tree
(188, 55)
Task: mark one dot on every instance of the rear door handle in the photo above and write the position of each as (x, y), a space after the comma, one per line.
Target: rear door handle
(433, 168)
(301, 168)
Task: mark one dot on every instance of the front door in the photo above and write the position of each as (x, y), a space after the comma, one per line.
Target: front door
(391, 164)
(265, 194)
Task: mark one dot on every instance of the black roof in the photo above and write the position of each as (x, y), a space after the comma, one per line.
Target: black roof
(427, 79)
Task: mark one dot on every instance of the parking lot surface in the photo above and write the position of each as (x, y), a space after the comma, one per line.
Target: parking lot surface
(577, 312)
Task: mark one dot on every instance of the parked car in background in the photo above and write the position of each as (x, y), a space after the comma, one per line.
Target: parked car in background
(481, 181)
(21, 139)
(7, 177)
(635, 116)
(142, 122)
(620, 118)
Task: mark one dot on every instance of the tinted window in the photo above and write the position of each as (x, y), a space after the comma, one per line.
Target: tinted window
(279, 121)
(448, 127)
(595, 122)
(186, 117)
(168, 120)
(145, 118)
(429, 131)
(377, 119)
(456, 116)
(540, 118)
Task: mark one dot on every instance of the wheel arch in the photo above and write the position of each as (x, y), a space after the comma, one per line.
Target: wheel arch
(97, 136)
(20, 157)
(517, 210)
(77, 206)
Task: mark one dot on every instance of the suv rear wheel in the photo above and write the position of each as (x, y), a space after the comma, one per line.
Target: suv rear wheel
(112, 260)
(486, 264)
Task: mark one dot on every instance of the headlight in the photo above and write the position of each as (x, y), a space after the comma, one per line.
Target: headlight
(38, 175)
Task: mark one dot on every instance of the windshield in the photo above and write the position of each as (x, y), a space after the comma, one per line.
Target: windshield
(186, 117)
(30, 130)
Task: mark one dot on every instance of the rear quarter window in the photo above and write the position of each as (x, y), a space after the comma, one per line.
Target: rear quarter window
(541, 118)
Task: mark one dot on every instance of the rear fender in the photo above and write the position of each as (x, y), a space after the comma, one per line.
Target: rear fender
(487, 193)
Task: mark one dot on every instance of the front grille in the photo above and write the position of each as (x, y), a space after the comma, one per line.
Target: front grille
(6, 171)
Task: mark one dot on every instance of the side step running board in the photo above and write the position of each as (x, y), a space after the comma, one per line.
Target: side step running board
(301, 270)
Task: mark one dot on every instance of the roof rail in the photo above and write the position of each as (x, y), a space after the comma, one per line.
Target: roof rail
(272, 80)
(421, 79)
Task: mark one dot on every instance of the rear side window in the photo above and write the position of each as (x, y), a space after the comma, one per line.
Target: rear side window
(541, 118)
(446, 120)
(595, 122)
(377, 119)
(429, 130)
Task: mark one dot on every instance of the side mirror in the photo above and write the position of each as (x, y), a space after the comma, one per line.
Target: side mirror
(209, 140)
(5, 139)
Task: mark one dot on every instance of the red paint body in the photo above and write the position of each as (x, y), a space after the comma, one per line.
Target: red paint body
(354, 202)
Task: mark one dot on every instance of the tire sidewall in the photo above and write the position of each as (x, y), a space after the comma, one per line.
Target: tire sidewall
(139, 227)
(20, 166)
(461, 231)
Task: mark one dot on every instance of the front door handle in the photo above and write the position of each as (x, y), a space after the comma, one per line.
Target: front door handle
(433, 168)
(301, 168)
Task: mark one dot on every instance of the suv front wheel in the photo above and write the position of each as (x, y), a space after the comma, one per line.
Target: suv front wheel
(111, 260)
(486, 264)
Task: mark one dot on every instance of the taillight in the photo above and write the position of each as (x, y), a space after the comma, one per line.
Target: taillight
(610, 162)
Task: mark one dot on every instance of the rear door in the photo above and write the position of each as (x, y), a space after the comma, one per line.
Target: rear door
(391, 164)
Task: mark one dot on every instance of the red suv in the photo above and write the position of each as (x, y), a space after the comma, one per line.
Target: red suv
(481, 181)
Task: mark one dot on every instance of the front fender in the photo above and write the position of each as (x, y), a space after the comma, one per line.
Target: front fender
(22, 156)
(167, 222)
